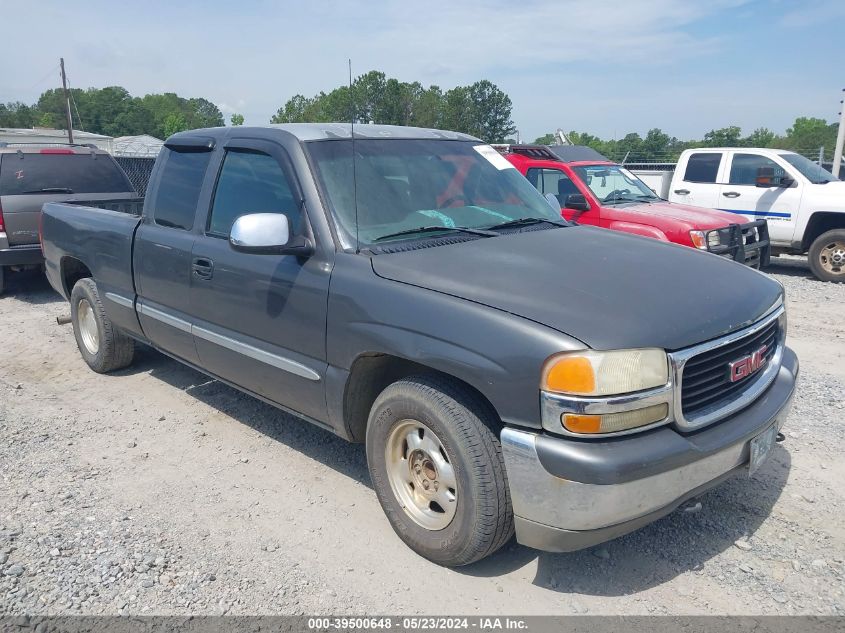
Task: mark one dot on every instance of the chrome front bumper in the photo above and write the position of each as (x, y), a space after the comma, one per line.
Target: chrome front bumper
(569, 494)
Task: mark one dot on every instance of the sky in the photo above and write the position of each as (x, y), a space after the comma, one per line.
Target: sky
(606, 67)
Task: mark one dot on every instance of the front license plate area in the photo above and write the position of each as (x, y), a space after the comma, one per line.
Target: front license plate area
(761, 448)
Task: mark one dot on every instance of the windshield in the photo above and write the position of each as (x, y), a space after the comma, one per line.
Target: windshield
(813, 172)
(613, 184)
(407, 189)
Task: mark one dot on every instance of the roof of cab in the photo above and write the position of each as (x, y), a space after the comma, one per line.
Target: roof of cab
(329, 131)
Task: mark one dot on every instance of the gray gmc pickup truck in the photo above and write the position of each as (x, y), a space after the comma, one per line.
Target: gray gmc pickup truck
(408, 288)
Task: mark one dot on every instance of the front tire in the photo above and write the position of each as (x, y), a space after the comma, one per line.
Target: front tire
(437, 469)
(103, 347)
(827, 256)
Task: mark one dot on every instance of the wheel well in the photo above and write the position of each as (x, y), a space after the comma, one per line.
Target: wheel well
(73, 270)
(371, 374)
(821, 222)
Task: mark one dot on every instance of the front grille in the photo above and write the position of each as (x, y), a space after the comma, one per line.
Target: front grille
(706, 377)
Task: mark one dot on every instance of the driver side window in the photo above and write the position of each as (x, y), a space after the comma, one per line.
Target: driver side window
(552, 181)
(251, 182)
(744, 169)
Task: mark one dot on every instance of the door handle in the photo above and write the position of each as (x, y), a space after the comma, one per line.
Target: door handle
(682, 192)
(731, 194)
(203, 267)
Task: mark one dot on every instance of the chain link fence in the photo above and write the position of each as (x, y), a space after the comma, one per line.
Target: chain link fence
(138, 169)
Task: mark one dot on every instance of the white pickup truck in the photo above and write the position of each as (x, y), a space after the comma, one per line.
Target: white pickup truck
(803, 203)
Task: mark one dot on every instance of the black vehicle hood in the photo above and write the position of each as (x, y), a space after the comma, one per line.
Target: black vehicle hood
(607, 289)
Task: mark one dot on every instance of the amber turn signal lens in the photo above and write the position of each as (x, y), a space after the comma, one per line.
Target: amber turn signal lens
(614, 422)
(577, 423)
(573, 374)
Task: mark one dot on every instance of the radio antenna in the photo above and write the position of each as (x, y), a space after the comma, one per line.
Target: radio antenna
(354, 172)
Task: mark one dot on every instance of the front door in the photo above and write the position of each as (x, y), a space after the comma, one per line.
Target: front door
(560, 185)
(776, 204)
(260, 320)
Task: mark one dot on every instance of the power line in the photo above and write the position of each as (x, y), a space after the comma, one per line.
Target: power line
(73, 101)
(40, 81)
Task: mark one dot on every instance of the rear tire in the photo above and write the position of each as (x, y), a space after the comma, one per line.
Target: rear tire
(103, 347)
(437, 469)
(827, 256)
(2, 279)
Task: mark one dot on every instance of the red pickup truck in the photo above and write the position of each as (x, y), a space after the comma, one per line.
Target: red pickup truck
(593, 190)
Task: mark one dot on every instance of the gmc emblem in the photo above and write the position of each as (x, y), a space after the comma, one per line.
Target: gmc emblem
(747, 365)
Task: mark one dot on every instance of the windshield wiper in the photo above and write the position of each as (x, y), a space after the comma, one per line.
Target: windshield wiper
(430, 229)
(523, 222)
(51, 190)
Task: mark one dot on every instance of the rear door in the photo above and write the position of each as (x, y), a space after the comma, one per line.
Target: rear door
(163, 244)
(29, 179)
(776, 204)
(696, 182)
(260, 320)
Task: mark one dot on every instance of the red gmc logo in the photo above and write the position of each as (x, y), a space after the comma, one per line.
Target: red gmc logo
(747, 365)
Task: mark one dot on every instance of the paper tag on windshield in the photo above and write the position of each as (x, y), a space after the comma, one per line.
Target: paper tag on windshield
(496, 159)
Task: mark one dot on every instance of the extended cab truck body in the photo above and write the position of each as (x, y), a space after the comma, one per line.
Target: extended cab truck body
(411, 290)
(803, 203)
(32, 174)
(592, 190)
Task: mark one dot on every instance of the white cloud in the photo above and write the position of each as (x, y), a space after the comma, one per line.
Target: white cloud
(577, 63)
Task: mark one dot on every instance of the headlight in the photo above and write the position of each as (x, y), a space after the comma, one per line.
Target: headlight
(594, 373)
(703, 239)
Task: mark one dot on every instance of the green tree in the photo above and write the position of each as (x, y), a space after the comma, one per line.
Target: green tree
(173, 123)
(724, 137)
(457, 111)
(761, 137)
(546, 139)
(17, 114)
(481, 109)
(428, 108)
(293, 111)
(237, 119)
(655, 145)
(492, 111)
(808, 134)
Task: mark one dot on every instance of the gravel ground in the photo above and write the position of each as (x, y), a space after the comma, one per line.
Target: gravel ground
(157, 491)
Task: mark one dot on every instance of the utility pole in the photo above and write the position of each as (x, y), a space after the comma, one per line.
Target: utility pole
(840, 141)
(67, 102)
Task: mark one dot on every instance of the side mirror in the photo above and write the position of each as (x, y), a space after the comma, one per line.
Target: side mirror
(553, 202)
(577, 201)
(765, 176)
(267, 234)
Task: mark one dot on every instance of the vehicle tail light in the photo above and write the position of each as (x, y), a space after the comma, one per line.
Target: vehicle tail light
(56, 150)
(2, 223)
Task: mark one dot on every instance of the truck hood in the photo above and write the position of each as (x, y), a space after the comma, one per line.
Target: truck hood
(607, 289)
(696, 217)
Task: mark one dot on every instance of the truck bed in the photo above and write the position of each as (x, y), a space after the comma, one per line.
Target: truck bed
(131, 206)
(94, 234)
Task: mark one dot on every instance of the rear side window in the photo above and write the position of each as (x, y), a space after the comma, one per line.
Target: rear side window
(703, 167)
(175, 201)
(251, 182)
(744, 168)
(22, 174)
